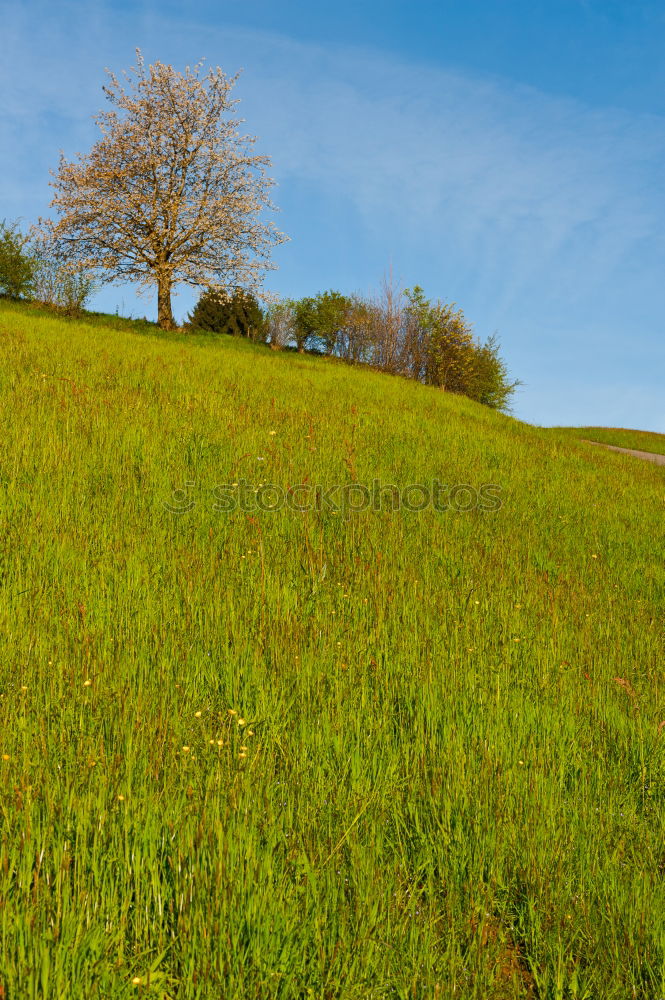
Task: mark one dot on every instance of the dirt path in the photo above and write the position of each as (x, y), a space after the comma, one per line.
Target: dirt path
(648, 456)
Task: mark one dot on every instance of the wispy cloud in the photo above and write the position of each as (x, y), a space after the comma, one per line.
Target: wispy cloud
(505, 181)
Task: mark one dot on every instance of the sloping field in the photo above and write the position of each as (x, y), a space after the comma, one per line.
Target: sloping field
(288, 753)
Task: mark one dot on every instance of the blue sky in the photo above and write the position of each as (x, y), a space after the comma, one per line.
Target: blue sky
(507, 156)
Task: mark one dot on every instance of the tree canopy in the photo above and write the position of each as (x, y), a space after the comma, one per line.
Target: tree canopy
(171, 192)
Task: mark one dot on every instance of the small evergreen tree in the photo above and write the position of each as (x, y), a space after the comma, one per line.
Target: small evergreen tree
(237, 314)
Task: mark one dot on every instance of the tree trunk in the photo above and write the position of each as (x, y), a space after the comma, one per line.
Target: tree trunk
(164, 314)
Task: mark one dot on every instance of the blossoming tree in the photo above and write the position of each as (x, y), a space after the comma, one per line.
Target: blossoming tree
(171, 192)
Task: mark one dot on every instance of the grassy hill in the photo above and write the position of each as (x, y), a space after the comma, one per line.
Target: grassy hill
(334, 754)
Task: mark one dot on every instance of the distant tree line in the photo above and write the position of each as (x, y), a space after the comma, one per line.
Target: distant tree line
(400, 332)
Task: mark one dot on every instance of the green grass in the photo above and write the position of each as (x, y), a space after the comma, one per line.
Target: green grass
(639, 440)
(453, 785)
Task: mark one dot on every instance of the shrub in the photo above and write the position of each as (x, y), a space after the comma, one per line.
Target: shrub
(321, 320)
(280, 323)
(57, 282)
(304, 323)
(358, 336)
(490, 383)
(16, 265)
(237, 314)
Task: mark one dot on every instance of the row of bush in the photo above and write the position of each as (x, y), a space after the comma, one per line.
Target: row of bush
(398, 331)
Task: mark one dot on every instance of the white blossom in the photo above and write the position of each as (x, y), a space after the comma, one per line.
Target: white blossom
(172, 192)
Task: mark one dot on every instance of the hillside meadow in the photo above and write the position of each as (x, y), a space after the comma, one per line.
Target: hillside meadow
(352, 754)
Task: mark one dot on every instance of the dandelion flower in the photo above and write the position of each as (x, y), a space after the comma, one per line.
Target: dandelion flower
(242, 755)
(197, 715)
(6, 756)
(272, 432)
(220, 743)
(87, 683)
(232, 711)
(244, 748)
(185, 749)
(136, 981)
(242, 722)
(121, 798)
(250, 732)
